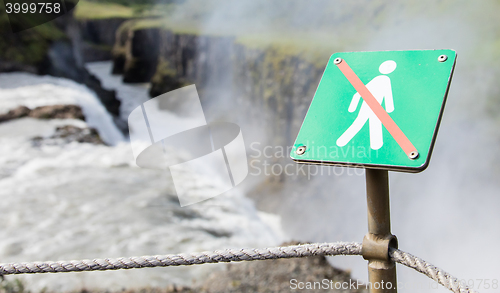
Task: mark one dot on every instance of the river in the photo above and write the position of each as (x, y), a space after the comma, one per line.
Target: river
(79, 200)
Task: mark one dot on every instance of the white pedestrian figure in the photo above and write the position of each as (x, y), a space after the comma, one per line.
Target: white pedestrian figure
(380, 87)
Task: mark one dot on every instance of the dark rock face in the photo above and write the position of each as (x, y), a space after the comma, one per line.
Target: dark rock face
(69, 133)
(118, 63)
(10, 66)
(264, 87)
(45, 112)
(100, 31)
(278, 88)
(107, 97)
(61, 62)
(186, 59)
(93, 53)
(267, 90)
(98, 36)
(142, 55)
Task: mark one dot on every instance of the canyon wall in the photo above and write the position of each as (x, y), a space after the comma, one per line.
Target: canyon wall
(263, 89)
(57, 48)
(98, 37)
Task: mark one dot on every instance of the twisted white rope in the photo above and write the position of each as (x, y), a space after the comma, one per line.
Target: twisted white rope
(228, 255)
(429, 270)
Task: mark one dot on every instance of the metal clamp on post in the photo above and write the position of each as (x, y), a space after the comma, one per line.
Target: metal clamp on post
(377, 248)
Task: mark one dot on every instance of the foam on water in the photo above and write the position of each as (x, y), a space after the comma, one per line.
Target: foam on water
(80, 200)
(32, 91)
(130, 95)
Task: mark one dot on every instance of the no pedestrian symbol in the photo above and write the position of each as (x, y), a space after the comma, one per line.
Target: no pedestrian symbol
(377, 109)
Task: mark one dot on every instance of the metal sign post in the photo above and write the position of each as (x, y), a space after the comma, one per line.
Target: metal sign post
(381, 270)
(380, 111)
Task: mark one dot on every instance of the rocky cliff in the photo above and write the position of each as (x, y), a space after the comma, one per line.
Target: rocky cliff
(54, 48)
(264, 87)
(135, 52)
(98, 37)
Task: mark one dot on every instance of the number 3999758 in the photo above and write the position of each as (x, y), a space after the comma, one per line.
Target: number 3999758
(33, 7)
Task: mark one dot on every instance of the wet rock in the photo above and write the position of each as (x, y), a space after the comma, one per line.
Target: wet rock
(45, 112)
(107, 97)
(16, 113)
(69, 133)
(142, 57)
(12, 66)
(118, 63)
(58, 112)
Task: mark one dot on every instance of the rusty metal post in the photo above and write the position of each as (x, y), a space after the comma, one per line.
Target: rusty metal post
(381, 269)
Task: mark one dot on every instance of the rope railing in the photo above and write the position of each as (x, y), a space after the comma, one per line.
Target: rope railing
(431, 271)
(232, 255)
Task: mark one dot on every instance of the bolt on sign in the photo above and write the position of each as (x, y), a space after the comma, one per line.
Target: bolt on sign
(377, 110)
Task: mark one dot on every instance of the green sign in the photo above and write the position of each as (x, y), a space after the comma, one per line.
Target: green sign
(377, 110)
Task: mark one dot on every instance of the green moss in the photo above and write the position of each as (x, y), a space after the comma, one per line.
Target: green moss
(163, 70)
(188, 29)
(147, 23)
(136, 24)
(119, 48)
(49, 31)
(89, 10)
(313, 50)
(27, 47)
(188, 18)
(101, 10)
(165, 79)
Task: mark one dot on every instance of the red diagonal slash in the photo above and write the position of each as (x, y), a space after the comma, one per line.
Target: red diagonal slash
(379, 111)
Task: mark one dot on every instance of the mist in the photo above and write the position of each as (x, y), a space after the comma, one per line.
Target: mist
(446, 215)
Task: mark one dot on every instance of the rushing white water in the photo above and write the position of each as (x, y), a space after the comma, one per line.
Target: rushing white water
(21, 89)
(79, 200)
(130, 95)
